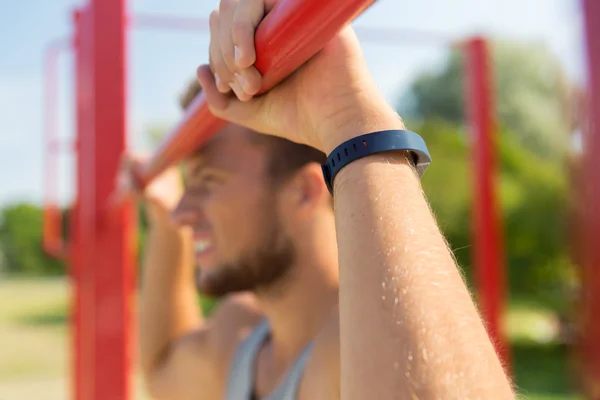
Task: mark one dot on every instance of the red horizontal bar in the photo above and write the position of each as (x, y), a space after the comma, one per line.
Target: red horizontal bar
(292, 33)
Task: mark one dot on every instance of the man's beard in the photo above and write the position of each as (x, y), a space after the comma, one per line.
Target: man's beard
(258, 269)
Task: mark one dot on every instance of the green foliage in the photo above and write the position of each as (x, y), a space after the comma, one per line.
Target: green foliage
(532, 95)
(532, 98)
(542, 369)
(533, 202)
(21, 242)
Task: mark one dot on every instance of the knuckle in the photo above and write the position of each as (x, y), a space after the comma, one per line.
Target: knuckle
(227, 5)
(228, 56)
(241, 29)
(222, 70)
(215, 110)
(213, 19)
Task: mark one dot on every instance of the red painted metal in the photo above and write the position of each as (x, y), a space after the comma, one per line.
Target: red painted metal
(52, 217)
(488, 240)
(293, 32)
(591, 199)
(102, 253)
(103, 258)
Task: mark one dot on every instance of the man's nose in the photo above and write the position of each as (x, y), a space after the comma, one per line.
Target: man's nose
(186, 213)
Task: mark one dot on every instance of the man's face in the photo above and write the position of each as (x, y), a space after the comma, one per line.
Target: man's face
(233, 210)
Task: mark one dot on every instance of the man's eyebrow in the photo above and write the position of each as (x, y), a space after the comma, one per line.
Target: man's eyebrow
(204, 155)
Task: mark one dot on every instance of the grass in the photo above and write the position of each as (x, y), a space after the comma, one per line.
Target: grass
(35, 347)
(33, 338)
(33, 329)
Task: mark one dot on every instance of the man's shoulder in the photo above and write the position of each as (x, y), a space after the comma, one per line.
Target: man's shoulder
(235, 317)
(199, 362)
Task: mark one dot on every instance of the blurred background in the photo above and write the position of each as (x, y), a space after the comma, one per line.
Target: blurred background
(538, 66)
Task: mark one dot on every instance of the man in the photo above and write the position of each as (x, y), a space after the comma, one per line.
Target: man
(408, 328)
(261, 221)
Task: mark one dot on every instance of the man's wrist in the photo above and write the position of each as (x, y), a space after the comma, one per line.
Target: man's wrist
(359, 119)
(158, 216)
(364, 168)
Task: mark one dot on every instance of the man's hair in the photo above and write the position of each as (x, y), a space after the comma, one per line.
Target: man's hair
(286, 157)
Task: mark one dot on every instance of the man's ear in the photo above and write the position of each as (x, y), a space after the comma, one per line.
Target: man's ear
(306, 189)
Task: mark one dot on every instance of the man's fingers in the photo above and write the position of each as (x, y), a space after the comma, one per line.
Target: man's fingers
(226, 11)
(215, 98)
(250, 80)
(125, 185)
(223, 76)
(246, 113)
(247, 16)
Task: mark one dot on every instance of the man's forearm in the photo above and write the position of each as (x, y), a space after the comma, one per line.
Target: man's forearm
(169, 307)
(409, 328)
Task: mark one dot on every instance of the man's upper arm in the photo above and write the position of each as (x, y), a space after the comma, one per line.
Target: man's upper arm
(184, 370)
(195, 366)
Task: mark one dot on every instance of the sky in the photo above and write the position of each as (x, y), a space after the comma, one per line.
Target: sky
(162, 62)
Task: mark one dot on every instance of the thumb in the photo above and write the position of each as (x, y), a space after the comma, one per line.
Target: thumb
(228, 107)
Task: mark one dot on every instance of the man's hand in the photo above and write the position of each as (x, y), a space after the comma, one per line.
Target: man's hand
(162, 194)
(312, 106)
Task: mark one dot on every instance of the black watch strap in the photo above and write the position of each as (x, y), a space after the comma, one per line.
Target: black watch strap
(373, 143)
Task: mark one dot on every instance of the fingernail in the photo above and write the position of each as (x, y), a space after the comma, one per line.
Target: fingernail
(241, 81)
(238, 54)
(221, 87)
(241, 95)
(236, 88)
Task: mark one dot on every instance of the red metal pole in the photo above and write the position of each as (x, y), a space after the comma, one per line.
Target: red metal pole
(104, 252)
(293, 32)
(591, 201)
(488, 257)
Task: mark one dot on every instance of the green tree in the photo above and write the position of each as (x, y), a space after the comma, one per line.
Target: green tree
(533, 200)
(533, 95)
(21, 242)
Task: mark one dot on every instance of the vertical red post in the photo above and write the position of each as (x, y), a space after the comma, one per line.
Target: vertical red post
(591, 201)
(104, 251)
(488, 257)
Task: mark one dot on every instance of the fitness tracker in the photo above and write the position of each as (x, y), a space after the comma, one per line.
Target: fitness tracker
(373, 143)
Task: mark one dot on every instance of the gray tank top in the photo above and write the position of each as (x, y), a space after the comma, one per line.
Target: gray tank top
(240, 385)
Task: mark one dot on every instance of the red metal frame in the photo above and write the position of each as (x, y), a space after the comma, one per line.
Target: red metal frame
(488, 243)
(103, 256)
(591, 199)
(102, 253)
(198, 125)
(280, 35)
